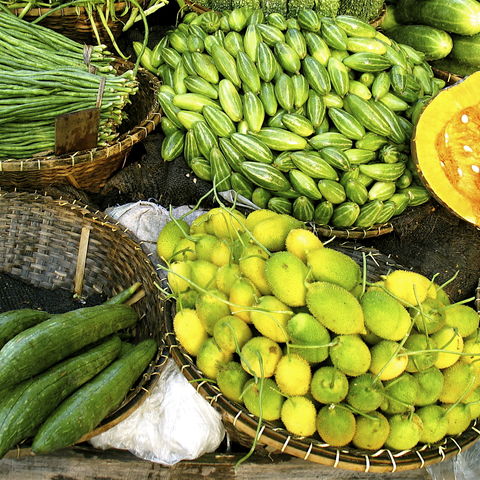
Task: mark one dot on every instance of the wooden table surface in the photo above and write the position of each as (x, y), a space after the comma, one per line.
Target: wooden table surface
(83, 463)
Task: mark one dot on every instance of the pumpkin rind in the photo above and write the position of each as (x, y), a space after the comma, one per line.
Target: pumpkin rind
(446, 148)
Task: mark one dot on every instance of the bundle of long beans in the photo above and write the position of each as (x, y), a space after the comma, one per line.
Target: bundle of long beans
(43, 75)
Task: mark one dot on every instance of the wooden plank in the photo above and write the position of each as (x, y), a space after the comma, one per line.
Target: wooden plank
(85, 463)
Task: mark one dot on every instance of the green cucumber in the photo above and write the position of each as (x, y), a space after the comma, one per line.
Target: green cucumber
(330, 139)
(230, 100)
(336, 158)
(367, 62)
(233, 43)
(354, 27)
(218, 121)
(398, 133)
(417, 195)
(323, 213)
(387, 212)
(86, 408)
(37, 348)
(260, 197)
(253, 111)
(345, 214)
(190, 147)
(252, 147)
(381, 190)
(317, 48)
(195, 44)
(205, 68)
(371, 141)
(196, 84)
(295, 39)
(298, 124)
(333, 35)
(284, 162)
(241, 185)
(316, 75)
(251, 40)
(205, 138)
(268, 98)
(26, 406)
(266, 176)
(168, 108)
(285, 92)
(332, 190)
(303, 209)
(301, 90)
(309, 20)
(280, 139)
(15, 321)
(188, 119)
(346, 123)
(193, 102)
(381, 85)
(365, 112)
(362, 44)
(231, 153)
(270, 34)
(304, 184)
(280, 205)
(221, 170)
(266, 62)
(466, 49)
(338, 75)
(359, 89)
(225, 64)
(248, 72)
(179, 76)
(385, 172)
(287, 57)
(313, 165)
(369, 213)
(356, 156)
(356, 192)
(315, 108)
(172, 146)
(277, 20)
(201, 168)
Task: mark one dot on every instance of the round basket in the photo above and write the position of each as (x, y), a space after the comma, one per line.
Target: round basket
(90, 169)
(54, 244)
(75, 23)
(450, 78)
(272, 438)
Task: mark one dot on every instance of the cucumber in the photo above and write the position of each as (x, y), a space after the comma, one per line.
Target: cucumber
(303, 209)
(284, 162)
(371, 141)
(356, 156)
(287, 57)
(385, 172)
(296, 40)
(315, 108)
(231, 153)
(221, 170)
(336, 158)
(230, 100)
(168, 108)
(285, 92)
(455, 16)
(354, 27)
(298, 124)
(387, 212)
(172, 146)
(332, 191)
(188, 120)
(362, 44)
(280, 139)
(346, 123)
(323, 213)
(330, 139)
(317, 48)
(316, 75)
(417, 195)
(15, 321)
(333, 35)
(313, 165)
(466, 49)
(266, 62)
(248, 72)
(252, 147)
(190, 147)
(241, 185)
(205, 138)
(225, 64)
(193, 102)
(39, 347)
(266, 176)
(365, 112)
(345, 214)
(260, 197)
(179, 76)
(367, 62)
(233, 43)
(205, 68)
(356, 192)
(338, 75)
(270, 34)
(27, 405)
(268, 98)
(301, 90)
(433, 42)
(369, 213)
(251, 40)
(253, 111)
(304, 184)
(309, 20)
(381, 190)
(196, 84)
(86, 408)
(277, 20)
(398, 133)
(218, 121)
(201, 168)
(280, 205)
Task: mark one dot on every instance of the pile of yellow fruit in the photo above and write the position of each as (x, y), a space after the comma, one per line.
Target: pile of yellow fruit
(289, 328)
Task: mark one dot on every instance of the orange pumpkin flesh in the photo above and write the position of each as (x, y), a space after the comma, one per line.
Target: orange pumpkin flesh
(446, 148)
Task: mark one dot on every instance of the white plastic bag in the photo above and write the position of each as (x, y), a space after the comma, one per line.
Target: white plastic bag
(175, 422)
(464, 466)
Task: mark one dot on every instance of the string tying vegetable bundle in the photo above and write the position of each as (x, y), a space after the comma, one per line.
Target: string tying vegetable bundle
(44, 74)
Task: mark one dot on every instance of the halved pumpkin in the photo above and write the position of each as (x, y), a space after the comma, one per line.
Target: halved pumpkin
(446, 148)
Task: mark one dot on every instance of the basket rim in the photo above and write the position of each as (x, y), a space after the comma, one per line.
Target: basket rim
(450, 78)
(124, 142)
(312, 449)
(152, 372)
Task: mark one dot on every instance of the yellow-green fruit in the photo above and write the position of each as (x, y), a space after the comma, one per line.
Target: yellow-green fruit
(379, 285)
(222, 255)
(270, 318)
(226, 222)
(336, 425)
(260, 356)
(365, 393)
(410, 288)
(372, 431)
(300, 242)
(189, 330)
(286, 275)
(400, 394)
(210, 357)
(298, 415)
(458, 417)
(305, 330)
(441, 295)
(178, 276)
(204, 246)
(448, 339)
(405, 431)
(429, 316)
(262, 398)
(370, 338)
(462, 317)
(329, 385)
(257, 216)
(328, 265)
(473, 401)
(211, 307)
(423, 359)
(184, 250)
(252, 266)
(186, 300)
(350, 354)
(231, 333)
(243, 295)
(435, 423)
(459, 381)
(272, 232)
(198, 225)
(472, 347)
(385, 316)
(293, 375)
(335, 308)
(202, 274)
(226, 276)
(169, 236)
(231, 379)
(387, 361)
(239, 244)
(430, 385)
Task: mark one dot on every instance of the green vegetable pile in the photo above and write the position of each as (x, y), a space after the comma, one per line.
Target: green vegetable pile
(309, 116)
(447, 31)
(61, 375)
(43, 75)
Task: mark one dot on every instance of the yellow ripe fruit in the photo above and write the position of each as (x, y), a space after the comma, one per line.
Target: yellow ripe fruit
(231, 379)
(447, 338)
(226, 276)
(299, 415)
(226, 223)
(231, 333)
(410, 288)
(263, 400)
(371, 431)
(243, 295)
(386, 361)
(260, 356)
(177, 270)
(300, 241)
(222, 254)
(189, 330)
(169, 237)
(257, 216)
(272, 232)
(203, 274)
(405, 431)
(210, 357)
(183, 251)
(293, 375)
(270, 318)
(199, 224)
(211, 307)
(336, 425)
(252, 266)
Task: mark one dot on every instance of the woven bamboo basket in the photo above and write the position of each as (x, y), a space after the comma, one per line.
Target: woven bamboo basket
(54, 244)
(75, 23)
(450, 78)
(90, 169)
(272, 438)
